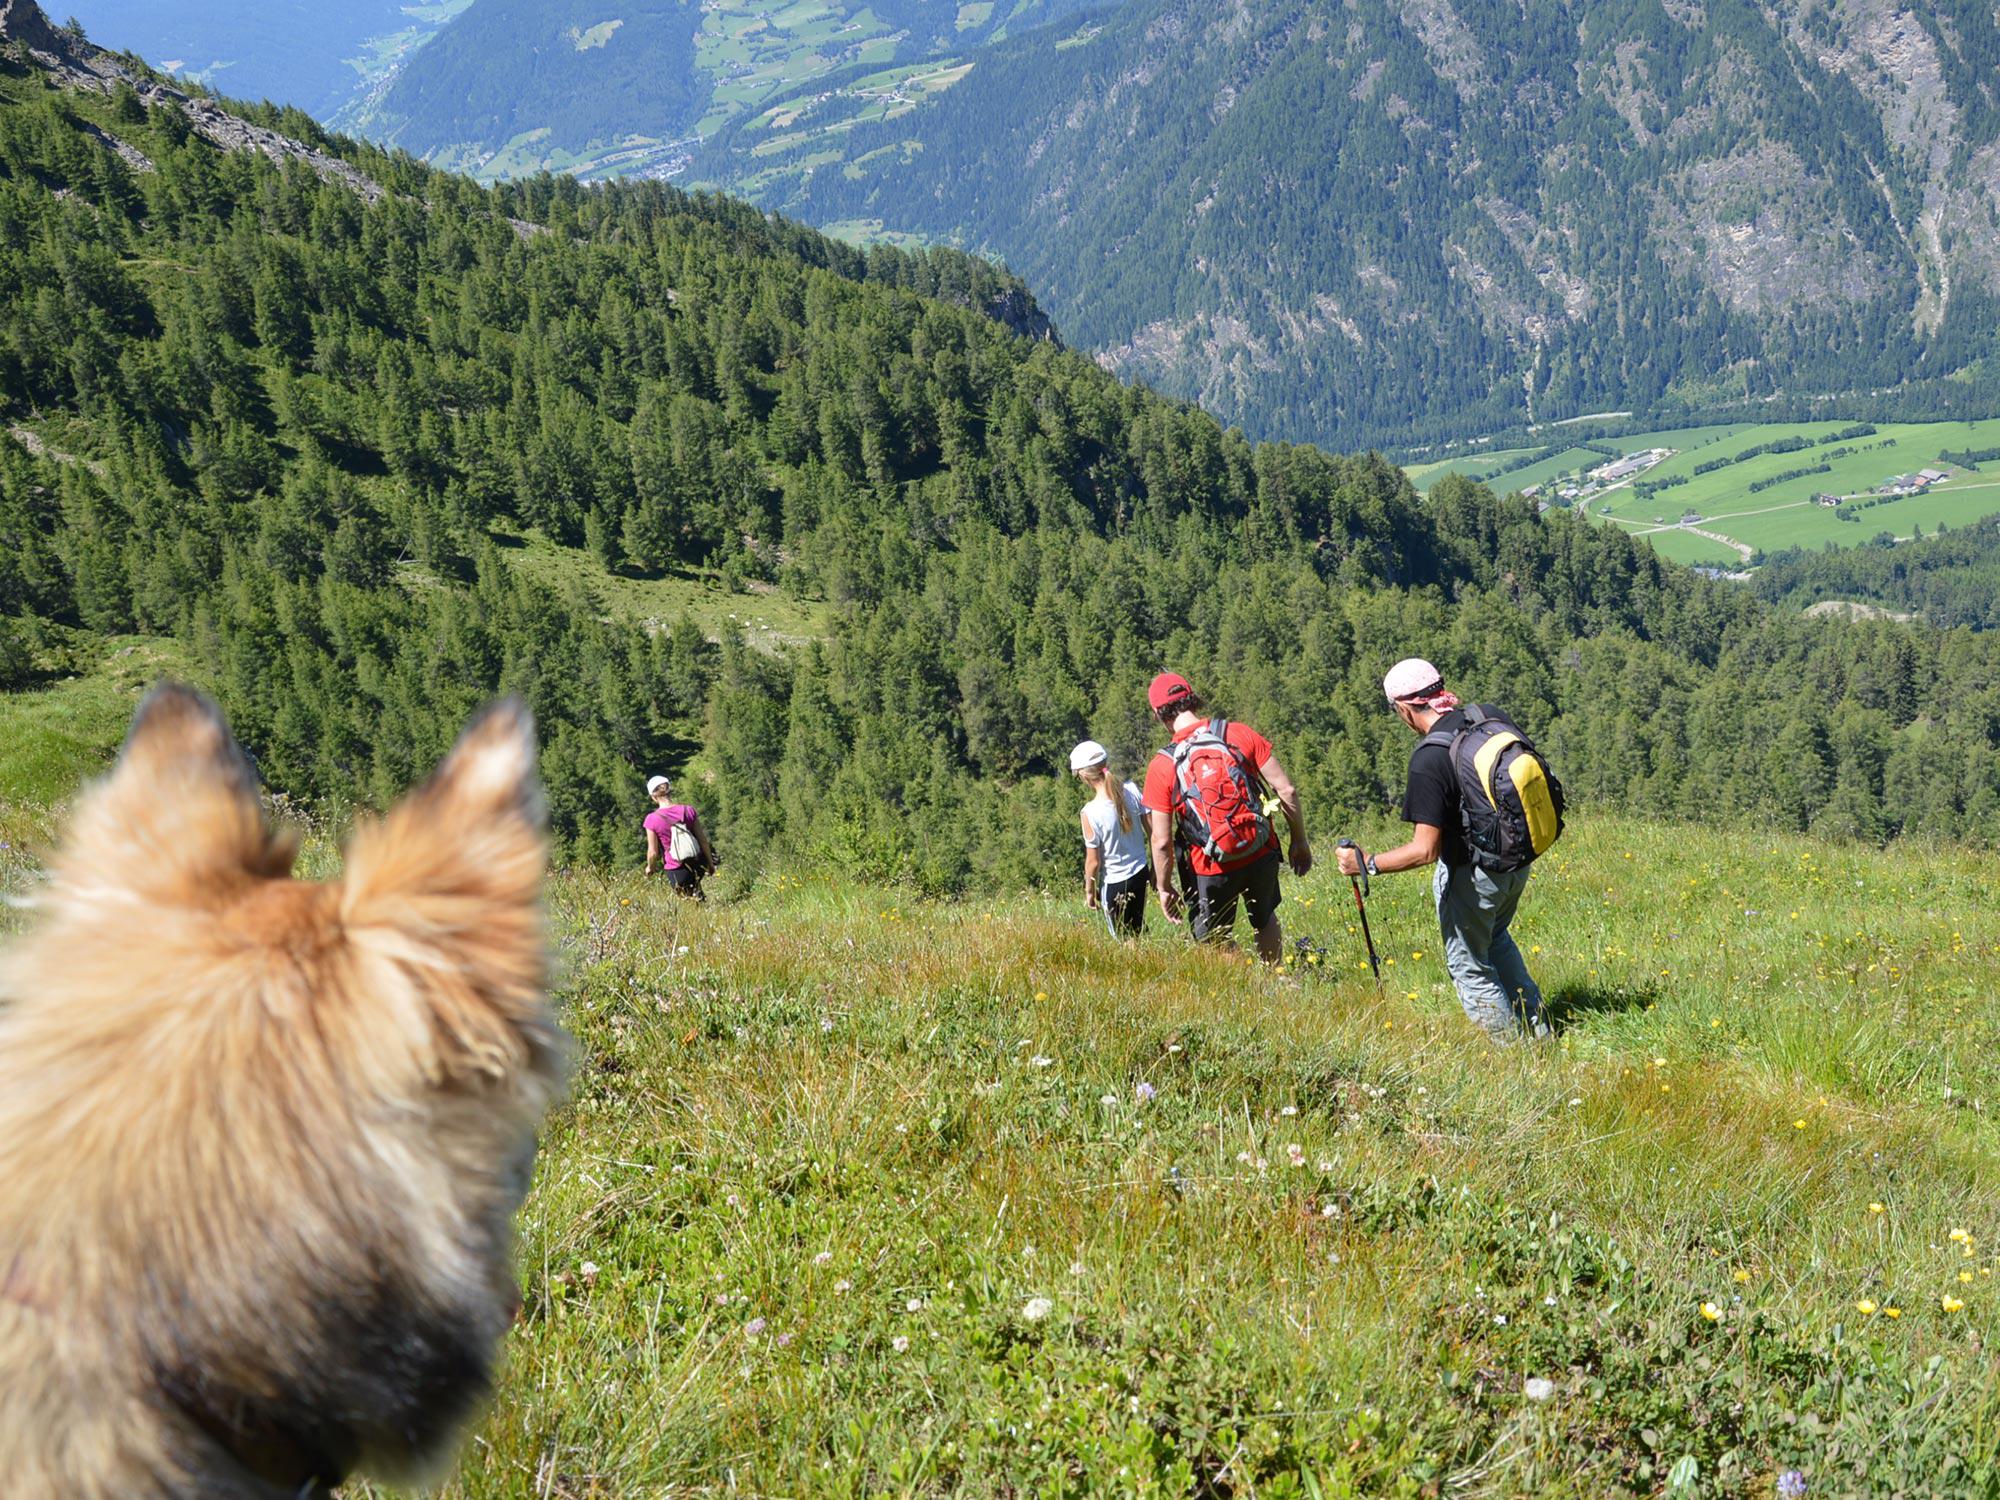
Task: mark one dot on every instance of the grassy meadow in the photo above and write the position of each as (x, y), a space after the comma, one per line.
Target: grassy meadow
(856, 1195)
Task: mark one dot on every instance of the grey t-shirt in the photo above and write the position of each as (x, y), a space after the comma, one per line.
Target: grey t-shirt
(1125, 852)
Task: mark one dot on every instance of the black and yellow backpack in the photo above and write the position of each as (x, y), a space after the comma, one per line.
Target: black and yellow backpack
(1509, 800)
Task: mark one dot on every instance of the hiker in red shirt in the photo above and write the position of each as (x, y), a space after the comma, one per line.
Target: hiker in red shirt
(1211, 784)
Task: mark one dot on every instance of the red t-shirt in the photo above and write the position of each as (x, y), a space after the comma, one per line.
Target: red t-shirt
(1241, 738)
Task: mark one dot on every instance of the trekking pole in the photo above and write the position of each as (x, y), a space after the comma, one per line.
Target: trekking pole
(1360, 884)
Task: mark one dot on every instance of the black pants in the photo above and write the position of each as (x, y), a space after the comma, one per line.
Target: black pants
(686, 881)
(1254, 884)
(1125, 904)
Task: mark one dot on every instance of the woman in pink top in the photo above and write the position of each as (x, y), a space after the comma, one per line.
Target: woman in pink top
(684, 875)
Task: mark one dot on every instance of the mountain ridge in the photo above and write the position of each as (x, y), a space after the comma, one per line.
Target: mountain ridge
(1521, 213)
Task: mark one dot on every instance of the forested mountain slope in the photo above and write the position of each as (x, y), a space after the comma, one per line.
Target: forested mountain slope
(1384, 219)
(625, 85)
(298, 427)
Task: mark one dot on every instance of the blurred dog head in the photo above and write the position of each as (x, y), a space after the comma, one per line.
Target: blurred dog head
(262, 1140)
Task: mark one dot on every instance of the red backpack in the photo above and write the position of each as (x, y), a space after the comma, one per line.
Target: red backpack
(1216, 796)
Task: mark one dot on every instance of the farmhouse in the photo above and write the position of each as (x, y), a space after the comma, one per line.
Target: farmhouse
(1823, 498)
(1632, 463)
(1913, 484)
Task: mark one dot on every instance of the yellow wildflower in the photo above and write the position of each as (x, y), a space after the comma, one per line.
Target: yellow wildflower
(1875, 1208)
(1864, 1307)
(1711, 1312)
(1892, 1312)
(1950, 1303)
(1742, 1276)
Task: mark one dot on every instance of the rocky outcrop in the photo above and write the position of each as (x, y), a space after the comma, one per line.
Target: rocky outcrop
(76, 63)
(22, 21)
(1016, 310)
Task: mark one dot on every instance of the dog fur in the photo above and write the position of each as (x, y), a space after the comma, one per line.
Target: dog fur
(262, 1140)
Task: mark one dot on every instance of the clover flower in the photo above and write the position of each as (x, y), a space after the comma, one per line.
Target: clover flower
(1037, 1308)
(1144, 1092)
(1791, 1485)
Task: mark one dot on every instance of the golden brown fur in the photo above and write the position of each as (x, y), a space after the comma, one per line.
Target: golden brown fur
(261, 1141)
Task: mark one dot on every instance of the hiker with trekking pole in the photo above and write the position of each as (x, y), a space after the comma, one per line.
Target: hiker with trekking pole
(1209, 785)
(1484, 806)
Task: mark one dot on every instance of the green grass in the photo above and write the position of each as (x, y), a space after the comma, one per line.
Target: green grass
(1681, 546)
(857, 1195)
(57, 736)
(813, 1122)
(762, 616)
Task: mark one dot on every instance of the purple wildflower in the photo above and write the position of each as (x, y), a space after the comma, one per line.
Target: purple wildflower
(752, 1328)
(1791, 1485)
(1144, 1092)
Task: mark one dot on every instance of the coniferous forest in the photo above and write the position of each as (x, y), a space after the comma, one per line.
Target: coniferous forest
(300, 430)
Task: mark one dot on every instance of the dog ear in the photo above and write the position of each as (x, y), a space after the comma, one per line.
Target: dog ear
(178, 817)
(448, 887)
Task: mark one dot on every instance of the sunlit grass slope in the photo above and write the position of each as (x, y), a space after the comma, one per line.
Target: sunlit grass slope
(857, 1196)
(862, 1196)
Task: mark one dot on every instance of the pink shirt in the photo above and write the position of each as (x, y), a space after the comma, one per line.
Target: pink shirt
(661, 820)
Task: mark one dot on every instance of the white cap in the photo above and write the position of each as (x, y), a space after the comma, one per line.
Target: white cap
(1410, 677)
(1087, 754)
(656, 784)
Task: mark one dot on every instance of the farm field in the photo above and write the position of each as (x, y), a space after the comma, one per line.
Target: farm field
(1740, 520)
(857, 1195)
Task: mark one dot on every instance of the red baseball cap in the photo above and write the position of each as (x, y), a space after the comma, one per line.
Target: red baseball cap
(1168, 687)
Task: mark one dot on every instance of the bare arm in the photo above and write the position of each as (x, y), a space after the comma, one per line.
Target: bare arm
(701, 837)
(1163, 864)
(1288, 799)
(1422, 849)
(652, 850)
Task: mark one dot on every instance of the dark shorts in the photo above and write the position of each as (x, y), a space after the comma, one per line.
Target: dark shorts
(686, 881)
(1125, 904)
(1255, 884)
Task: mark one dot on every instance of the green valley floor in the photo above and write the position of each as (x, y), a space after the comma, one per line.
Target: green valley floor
(856, 1195)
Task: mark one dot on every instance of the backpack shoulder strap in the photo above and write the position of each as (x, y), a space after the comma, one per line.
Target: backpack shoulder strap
(1475, 715)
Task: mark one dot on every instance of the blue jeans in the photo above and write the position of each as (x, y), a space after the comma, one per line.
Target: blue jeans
(1494, 985)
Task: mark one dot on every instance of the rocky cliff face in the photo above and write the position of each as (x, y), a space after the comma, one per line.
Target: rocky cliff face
(78, 64)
